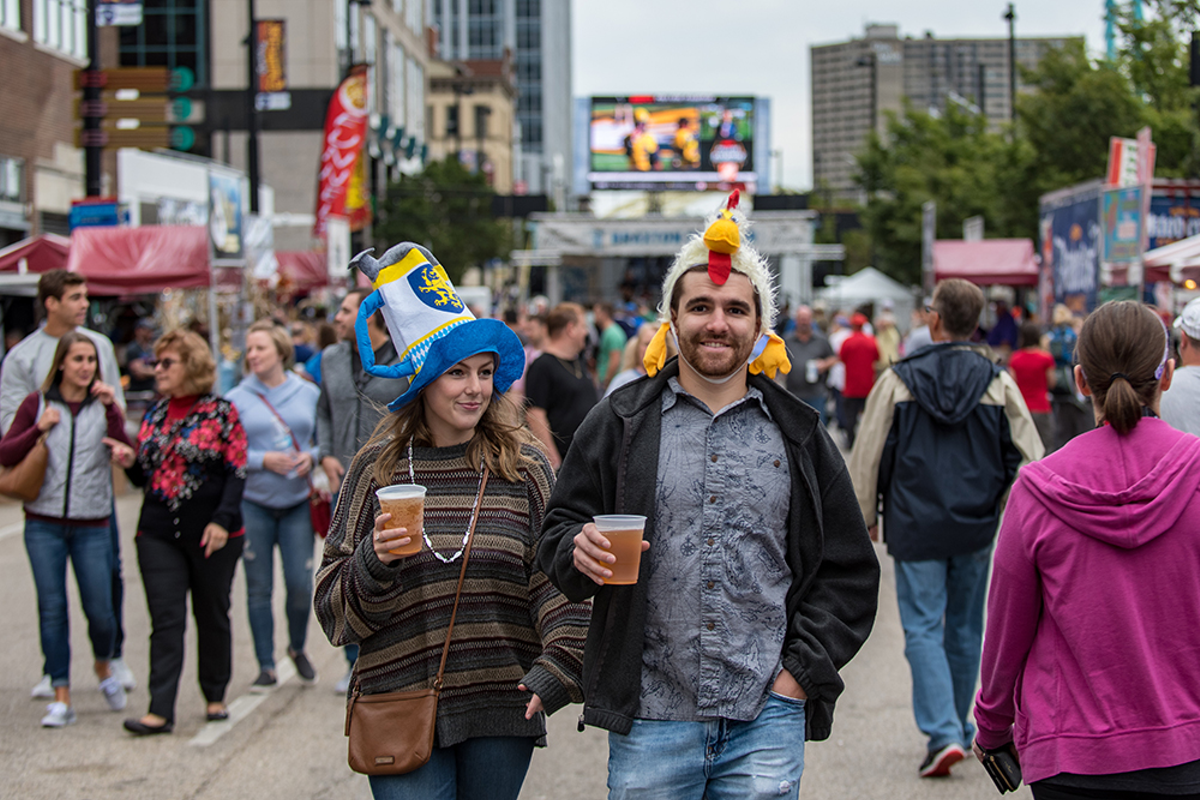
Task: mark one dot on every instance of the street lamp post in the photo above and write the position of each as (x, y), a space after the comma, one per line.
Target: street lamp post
(252, 107)
(1011, 16)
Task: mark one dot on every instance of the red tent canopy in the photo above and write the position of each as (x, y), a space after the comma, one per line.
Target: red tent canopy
(140, 260)
(40, 254)
(302, 270)
(1011, 262)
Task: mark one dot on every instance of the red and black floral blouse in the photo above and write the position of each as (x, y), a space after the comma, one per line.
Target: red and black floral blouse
(192, 461)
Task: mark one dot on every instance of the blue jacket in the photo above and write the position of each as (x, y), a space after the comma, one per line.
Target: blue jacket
(296, 401)
(940, 441)
(832, 599)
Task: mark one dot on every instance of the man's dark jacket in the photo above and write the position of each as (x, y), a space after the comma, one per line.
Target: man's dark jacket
(940, 441)
(612, 469)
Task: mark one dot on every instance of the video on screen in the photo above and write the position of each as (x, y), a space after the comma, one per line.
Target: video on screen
(671, 142)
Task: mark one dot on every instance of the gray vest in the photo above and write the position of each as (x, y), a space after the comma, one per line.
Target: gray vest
(78, 482)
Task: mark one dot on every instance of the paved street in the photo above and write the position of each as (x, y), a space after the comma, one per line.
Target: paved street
(288, 745)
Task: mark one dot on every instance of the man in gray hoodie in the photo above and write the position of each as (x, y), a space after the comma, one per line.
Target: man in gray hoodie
(352, 401)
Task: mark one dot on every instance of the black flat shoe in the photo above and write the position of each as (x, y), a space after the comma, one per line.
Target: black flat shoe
(139, 728)
(217, 716)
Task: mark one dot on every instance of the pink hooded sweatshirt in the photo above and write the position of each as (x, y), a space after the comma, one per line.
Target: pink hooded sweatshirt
(1091, 659)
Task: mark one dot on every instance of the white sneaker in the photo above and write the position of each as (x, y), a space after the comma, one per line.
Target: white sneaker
(343, 686)
(124, 674)
(113, 692)
(58, 715)
(43, 690)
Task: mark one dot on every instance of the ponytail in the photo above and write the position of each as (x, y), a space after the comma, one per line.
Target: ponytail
(1122, 349)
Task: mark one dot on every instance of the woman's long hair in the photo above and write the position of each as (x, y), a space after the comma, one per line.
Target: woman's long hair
(1120, 349)
(54, 376)
(499, 435)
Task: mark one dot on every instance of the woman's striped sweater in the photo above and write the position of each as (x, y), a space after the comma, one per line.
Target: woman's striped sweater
(513, 627)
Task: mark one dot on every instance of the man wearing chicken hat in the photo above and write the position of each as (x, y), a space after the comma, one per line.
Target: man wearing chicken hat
(757, 580)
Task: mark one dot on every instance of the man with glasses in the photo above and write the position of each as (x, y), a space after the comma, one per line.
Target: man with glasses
(941, 439)
(63, 301)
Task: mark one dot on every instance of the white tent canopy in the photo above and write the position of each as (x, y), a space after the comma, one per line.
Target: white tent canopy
(869, 285)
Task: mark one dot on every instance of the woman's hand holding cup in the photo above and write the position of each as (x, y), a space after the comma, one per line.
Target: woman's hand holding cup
(388, 539)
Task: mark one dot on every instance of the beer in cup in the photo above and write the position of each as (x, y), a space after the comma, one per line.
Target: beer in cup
(406, 503)
(624, 534)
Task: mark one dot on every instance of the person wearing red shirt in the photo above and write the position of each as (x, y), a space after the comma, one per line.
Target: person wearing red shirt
(1032, 367)
(859, 353)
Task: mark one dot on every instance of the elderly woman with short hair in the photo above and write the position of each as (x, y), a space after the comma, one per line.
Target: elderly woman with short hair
(191, 459)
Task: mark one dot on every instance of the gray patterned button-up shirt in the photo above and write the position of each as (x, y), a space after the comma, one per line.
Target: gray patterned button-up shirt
(718, 576)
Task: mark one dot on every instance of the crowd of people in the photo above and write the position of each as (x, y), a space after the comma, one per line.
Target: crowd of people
(1057, 463)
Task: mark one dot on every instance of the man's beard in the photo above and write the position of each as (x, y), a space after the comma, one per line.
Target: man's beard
(715, 364)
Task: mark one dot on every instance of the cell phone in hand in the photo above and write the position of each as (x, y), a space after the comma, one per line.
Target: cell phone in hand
(1003, 769)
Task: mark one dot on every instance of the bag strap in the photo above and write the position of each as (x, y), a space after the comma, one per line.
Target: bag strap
(462, 574)
(288, 428)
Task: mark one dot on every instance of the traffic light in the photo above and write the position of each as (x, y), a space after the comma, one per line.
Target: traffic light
(139, 107)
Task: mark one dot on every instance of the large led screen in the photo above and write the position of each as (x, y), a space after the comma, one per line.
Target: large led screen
(675, 142)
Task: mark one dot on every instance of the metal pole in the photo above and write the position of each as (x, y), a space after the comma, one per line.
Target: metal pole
(252, 108)
(91, 96)
(1011, 16)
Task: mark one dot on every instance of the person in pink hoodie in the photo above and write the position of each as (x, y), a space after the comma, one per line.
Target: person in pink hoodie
(1091, 657)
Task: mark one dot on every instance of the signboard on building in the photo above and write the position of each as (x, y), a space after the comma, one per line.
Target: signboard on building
(270, 64)
(663, 237)
(118, 12)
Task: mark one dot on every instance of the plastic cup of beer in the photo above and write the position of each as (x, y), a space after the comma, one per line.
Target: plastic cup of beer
(406, 503)
(624, 534)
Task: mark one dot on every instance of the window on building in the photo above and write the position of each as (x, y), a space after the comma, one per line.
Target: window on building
(415, 122)
(173, 34)
(12, 180)
(397, 107)
(452, 130)
(482, 113)
(61, 25)
(10, 14)
(415, 16)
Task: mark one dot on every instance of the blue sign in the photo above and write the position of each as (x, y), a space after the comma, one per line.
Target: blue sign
(1070, 232)
(97, 215)
(1172, 219)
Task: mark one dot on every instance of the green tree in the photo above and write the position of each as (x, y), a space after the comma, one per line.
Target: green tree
(952, 159)
(1061, 138)
(447, 209)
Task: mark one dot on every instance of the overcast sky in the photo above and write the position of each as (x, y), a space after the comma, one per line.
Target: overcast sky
(761, 47)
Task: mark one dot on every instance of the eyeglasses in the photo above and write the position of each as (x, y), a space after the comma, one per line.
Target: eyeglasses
(165, 363)
(931, 310)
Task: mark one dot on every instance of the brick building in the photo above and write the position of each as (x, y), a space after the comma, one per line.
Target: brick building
(42, 43)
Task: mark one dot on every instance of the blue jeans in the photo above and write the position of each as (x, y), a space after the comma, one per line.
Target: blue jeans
(941, 609)
(291, 530)
(715, 760)
(118, 584)
(493, 767)
(49, 545)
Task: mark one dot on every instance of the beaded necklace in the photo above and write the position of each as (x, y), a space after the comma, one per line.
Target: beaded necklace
(470, 523)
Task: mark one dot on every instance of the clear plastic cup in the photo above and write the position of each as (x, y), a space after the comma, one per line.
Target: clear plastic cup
(406, 503)
(624, 533)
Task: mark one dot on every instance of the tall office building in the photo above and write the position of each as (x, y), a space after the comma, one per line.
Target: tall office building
(855, 83)
(538, 33)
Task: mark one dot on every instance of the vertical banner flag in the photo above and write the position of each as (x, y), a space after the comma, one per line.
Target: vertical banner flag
(345, 134)
(358, 198)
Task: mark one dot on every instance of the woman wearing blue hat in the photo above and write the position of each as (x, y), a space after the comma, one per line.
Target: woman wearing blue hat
(515, 653)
